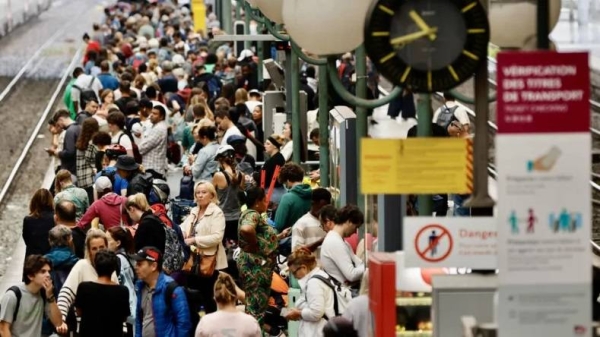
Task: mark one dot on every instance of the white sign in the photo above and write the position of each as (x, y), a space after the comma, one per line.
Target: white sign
(544, 208)
(450, 242)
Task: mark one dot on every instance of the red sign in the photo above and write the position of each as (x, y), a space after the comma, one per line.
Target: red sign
(428, 240)
(543, 92)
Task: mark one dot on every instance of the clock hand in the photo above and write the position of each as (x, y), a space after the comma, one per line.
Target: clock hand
(421, 23)
(414, 36)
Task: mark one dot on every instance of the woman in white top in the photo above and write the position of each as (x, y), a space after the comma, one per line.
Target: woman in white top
(316, 303)
(228, 320)
(337, 257)
(83, 271)
(288, 148)
(116, 124)
(204, 229)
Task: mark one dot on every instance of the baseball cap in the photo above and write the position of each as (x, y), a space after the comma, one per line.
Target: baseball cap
(224, 149)
(102, 184)
(235, 138)
(148, 253)
(245, 54)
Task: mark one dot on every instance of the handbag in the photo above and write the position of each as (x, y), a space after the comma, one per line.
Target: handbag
(200, 264)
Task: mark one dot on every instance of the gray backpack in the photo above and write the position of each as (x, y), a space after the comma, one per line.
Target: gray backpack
(446, 116)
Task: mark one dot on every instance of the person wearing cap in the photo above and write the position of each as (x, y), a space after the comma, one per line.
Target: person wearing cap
(229, 182)
(137, 180)
(249, 78)
(155, 316)
(241, 152)
(109, 208)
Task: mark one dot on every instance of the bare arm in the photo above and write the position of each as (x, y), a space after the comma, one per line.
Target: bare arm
(5, 329)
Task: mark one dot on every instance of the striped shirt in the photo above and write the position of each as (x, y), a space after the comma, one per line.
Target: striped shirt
(306, 231)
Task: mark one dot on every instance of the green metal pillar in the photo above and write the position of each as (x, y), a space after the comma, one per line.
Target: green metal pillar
(247, 29)
(361, 113)
(226, 24)
(323, 126)
(295, 93)
(238, 12)
(424, 117)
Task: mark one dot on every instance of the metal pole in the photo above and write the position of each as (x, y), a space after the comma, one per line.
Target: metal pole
(323, 126)
(543, 24)
(294, 90)
(480, 202)
(247, 29)
(361, 113)
(226, 23)
(424, 117)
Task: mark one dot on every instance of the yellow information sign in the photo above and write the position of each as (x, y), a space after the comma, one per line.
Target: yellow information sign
(199, 13)
(414, 166)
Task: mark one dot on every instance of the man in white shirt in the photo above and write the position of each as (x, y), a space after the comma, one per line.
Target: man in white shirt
(307, 231)
(337, 257)
(450, 112)
(83, 82)
(223, 121)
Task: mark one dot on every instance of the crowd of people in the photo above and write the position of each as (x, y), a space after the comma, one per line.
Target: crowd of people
(106, 257)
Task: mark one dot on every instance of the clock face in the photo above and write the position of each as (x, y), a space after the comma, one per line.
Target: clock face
(427, 45)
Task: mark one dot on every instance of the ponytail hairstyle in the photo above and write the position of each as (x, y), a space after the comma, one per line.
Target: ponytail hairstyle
(302, 256)
(251, 196)
(224, 290)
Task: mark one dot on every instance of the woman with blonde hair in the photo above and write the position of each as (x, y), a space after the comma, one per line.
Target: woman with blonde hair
(150, 230)
(66, 190)
(39, 221)
(237, 323)
(316, 303)
(203, 230)
(83, 271)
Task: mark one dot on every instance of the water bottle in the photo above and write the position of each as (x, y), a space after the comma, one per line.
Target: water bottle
(202, 312)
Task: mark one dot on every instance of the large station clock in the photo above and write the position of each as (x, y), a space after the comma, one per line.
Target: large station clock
(427, 45)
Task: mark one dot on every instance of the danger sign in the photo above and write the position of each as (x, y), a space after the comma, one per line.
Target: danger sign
(433, 243)
(456, 242)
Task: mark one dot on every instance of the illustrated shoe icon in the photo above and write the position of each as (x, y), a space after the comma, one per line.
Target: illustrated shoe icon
(545, 162)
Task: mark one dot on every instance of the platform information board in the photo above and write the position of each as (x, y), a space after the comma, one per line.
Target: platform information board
(414, 166)
(544, 209)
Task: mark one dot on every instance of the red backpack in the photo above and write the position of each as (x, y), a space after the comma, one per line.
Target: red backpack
(160, 212)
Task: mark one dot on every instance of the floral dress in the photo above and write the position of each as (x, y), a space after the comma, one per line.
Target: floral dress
(256, 269)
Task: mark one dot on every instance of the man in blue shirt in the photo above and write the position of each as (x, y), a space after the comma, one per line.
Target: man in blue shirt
(108, 81)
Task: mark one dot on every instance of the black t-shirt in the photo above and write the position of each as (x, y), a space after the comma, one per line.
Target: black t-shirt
(269, 167)
(103, 307)
(78, 241)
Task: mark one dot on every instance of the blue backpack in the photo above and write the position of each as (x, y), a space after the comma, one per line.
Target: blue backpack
(214, 86)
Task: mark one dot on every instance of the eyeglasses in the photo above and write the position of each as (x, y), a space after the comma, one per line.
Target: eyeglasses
(296, 270)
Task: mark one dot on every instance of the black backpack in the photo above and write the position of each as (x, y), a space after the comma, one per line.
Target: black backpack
(86, 94)
(140, 183)
(194, 300)
(446, 116)
(18, 294)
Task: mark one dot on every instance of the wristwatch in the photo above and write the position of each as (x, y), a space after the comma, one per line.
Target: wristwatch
(51, 299)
